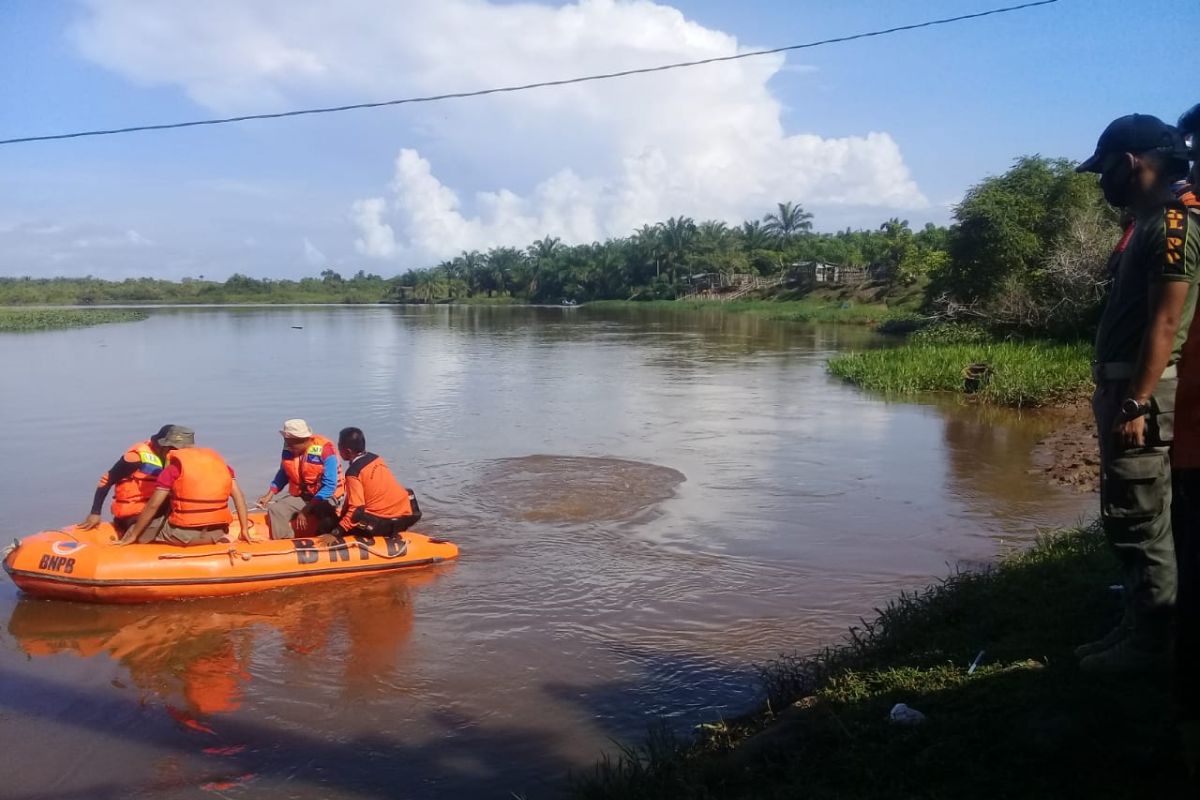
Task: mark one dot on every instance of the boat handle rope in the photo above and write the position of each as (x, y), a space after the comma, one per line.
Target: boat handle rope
(234, 553)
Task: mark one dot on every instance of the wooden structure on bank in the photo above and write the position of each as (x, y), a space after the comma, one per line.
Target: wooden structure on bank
(811, 274)
(802, 275)
(727, 286)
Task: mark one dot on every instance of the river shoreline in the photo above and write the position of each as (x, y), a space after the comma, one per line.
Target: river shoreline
(1070, 455)
(985, 657)
(962, 652)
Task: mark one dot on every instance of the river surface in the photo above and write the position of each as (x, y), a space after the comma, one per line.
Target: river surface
(649, 503)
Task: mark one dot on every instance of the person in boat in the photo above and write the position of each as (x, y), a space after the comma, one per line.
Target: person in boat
(309, 470)
(376, 503)
(196, 485)
(132, 480)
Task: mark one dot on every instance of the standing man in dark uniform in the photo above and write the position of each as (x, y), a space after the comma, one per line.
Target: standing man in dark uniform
(1142, 331)
(1185, 463)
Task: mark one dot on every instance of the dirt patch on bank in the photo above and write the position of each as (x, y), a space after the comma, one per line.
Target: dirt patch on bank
(1070, 455)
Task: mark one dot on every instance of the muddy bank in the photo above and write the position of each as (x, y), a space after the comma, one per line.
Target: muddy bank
(1070, 455)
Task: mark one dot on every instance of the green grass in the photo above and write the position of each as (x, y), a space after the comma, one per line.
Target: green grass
(1025, 724)
(782, 310)
(48, 319)
(1022, 373)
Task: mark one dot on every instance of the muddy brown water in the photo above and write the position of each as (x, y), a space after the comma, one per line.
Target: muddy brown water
(649, 504)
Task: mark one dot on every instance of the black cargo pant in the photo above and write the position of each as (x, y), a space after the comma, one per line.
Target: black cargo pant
(1135, 507)
(371, 525)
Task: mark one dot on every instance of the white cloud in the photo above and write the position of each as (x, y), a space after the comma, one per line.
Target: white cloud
(313, 256)
(581, 162)
(130, 238)
(376, 237)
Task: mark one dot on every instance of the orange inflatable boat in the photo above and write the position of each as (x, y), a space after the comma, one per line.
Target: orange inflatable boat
(73, 564)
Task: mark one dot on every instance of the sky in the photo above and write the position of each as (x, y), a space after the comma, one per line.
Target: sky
(896, 126)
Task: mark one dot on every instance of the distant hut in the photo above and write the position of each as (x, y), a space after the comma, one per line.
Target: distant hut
(820, 273)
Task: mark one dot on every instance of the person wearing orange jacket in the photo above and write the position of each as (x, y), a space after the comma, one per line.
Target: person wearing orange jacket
(199, 485)
(376, 503)
(131, 480)
(309, 469)
(1185, 475)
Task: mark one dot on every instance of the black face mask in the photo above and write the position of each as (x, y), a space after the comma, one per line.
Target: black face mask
(1117, 184)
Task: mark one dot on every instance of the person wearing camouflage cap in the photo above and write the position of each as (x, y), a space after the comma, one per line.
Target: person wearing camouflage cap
(198, 485)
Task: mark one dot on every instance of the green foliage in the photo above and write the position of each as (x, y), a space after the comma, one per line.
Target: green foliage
(788, 221)
(1007, 225)
(38, 319)
(656, 260)
(330, 288)
(651, 264)
(902, 322)
(1022, 242)
(1021, 373)
(779, 310)
(952, 333)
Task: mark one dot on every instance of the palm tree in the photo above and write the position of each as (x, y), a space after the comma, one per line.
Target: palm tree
(429, 286)
(790, 220)
(648, 239)
(678, 235)
(544, 249)
(712, 230)
(502, 264)
(755, 236)
(469, 266)
(541, 256)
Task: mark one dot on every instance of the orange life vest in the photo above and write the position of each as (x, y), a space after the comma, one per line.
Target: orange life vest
(375, 489)
(306, 471)
(130, 495)
(200, 495)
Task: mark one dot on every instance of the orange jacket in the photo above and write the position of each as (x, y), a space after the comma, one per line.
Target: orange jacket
(372, 489)
(305, 471)
(130, 495)
(200, 495)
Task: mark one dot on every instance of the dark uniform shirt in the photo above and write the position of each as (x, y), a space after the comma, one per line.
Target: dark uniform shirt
(1164, 247)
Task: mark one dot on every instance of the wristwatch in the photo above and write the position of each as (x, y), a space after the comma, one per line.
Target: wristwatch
(1132, 409)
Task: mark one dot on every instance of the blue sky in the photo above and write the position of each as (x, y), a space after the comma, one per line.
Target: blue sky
(858, 132)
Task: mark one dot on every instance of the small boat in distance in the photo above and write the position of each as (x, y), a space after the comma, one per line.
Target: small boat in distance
(87, 566)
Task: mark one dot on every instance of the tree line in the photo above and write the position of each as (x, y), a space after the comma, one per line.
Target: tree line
(1019, 242)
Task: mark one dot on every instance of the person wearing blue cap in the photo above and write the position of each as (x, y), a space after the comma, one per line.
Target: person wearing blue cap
(1142, 331)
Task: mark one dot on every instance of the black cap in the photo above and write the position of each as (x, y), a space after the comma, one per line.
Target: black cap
(1189, 123)
(1136, 133)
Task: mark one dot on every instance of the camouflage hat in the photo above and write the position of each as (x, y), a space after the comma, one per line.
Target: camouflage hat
(176, 436)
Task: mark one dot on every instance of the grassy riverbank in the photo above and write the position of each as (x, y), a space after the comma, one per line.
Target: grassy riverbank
(1025, 724)
(808, 310)
(48, 319)
(1021, 373)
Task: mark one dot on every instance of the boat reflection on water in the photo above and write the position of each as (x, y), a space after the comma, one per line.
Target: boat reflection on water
(198, 657)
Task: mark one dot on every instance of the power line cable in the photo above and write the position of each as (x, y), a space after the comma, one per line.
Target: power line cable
(528, 86)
